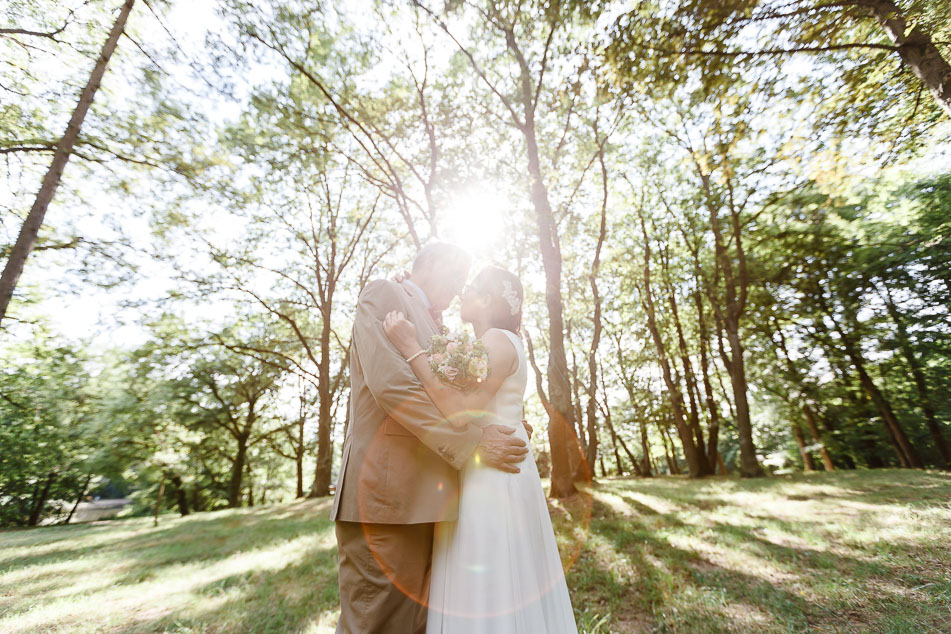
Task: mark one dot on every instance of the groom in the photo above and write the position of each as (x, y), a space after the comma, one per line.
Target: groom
(401, 457)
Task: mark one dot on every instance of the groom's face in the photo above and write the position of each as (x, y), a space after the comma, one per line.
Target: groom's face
(448, 284)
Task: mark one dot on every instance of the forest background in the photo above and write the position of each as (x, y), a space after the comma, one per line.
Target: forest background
(731, 219)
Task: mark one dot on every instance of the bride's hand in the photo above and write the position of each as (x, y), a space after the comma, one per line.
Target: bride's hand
(401, 276)
(401, 332)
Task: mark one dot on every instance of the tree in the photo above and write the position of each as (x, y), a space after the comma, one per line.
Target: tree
(31, 226)
(517, 28)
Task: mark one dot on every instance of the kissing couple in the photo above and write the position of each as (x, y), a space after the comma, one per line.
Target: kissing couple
(441, 521)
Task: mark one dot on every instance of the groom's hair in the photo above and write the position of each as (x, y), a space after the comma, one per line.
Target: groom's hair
(441, 255)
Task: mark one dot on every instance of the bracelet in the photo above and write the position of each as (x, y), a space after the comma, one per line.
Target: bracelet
(410, 359)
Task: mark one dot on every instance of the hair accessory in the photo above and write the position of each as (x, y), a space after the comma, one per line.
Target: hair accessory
(510, 296)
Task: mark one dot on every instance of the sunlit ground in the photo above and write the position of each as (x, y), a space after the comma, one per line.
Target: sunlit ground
(842, 552)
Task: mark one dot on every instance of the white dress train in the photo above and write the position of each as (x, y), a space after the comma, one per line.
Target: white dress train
(497, 570)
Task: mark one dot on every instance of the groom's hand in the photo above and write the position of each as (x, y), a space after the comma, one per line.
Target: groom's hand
(500, 449)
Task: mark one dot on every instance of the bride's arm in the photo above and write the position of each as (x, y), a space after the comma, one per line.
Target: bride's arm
(450, 401)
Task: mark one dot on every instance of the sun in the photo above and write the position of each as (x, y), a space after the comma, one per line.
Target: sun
(475, 218)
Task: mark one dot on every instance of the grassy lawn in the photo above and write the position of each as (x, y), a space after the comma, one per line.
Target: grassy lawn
(863, 551)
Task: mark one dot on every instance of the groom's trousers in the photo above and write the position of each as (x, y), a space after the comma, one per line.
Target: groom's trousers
(384, 577)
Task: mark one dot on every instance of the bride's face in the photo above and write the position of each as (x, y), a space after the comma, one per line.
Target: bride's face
(474, 304)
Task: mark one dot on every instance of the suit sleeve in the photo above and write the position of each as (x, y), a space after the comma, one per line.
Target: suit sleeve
(395, 387)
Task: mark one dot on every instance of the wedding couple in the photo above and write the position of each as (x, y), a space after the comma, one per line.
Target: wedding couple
(441, 520)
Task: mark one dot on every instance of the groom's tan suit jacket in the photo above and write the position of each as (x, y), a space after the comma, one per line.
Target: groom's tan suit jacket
(400, 457)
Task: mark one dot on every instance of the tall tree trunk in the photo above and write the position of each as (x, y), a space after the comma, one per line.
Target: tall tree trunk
(736, 288)
(237, 473)
(810, 417)
(647, 468)
(918, 374)
(580, 466)
(895, 429)
(713, 435)
(322, 472)
(180, 496)
(299, 466)
(907, 453)
(797, 379)
(40, 500)
(250, 482)
(559, 388)
(615, 439)
(158, 500)
(722, 465)
(619, 466)
(807, 463)
(79, 498)
(691, 453)
(64, 149)
(706, 466)
(630, 456)
(671, 456)
(560, 423)
(606, 411)
(916, 49)
(749, 466)
(592, 449)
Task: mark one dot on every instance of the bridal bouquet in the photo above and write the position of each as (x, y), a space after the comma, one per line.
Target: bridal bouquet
(459, 360)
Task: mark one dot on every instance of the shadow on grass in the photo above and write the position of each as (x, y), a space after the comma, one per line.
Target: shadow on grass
(79, 561)
(661, 555)
(752, 582)
(284, 600)
(173, 541)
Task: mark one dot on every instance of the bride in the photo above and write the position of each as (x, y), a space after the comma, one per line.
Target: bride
(496, 569)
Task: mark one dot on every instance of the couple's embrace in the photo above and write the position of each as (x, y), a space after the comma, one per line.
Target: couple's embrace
(441, 520)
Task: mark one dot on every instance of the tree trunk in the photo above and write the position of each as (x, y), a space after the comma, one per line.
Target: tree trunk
(807, 463)
(592, 448)
(40, 500)
(722, 465)
(706, 466)
(810, 417)
(671, 456)
(736, 287)
(237, 474)
(582, 469)
(797, 379)
(713, 435)
(79, 498)
(158, 500)
(630, 456)
(917, 373)
(749, 466)
(64, 149)
(907, 453)
(180, 497)
(559, 388)
(322, 472)
(647, 468)
(299, 466)
(916, 49)
(614, 444)
(691, 453)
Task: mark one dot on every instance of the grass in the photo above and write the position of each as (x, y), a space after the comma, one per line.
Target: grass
(843, 552)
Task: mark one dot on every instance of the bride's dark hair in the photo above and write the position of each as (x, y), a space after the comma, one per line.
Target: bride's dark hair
(506, 295)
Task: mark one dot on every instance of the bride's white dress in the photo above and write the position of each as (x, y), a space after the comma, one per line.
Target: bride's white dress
(497, 569)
